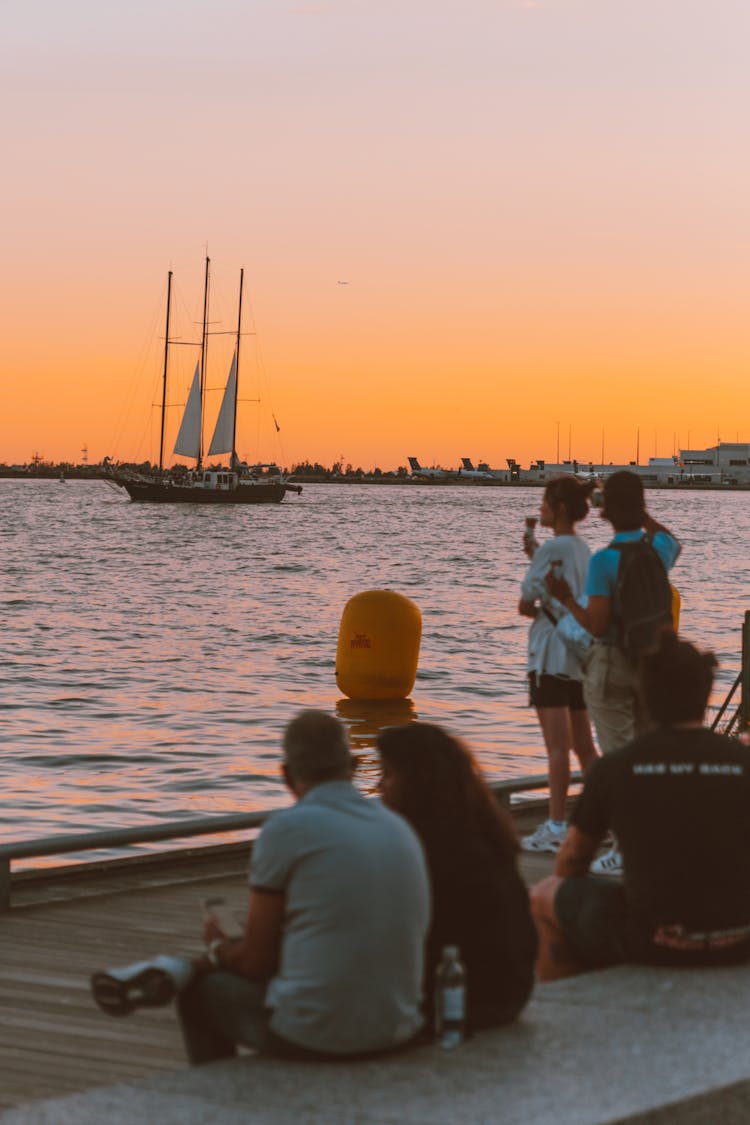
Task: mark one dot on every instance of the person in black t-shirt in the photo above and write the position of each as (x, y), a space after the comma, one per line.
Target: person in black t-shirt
(678, 801)
(479, 901)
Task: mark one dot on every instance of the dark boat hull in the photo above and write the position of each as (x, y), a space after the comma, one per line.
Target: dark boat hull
(156, 492)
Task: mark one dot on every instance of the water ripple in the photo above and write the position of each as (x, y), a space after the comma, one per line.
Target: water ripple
(153, 656)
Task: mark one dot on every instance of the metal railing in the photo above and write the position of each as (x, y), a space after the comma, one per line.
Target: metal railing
(735, 716)
(744, 710)
(738, 721)
(183, 829)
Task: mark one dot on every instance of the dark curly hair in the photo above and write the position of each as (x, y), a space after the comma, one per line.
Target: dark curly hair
(675, 679)
(623, 501)
(445, 798)
(573, 494)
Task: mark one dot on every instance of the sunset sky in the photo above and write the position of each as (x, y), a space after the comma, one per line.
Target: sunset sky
(541, 209)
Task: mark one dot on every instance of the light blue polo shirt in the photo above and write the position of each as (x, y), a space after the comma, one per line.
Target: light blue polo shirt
(356, 913)
(601, 579)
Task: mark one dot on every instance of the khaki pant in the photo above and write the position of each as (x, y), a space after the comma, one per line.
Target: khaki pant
(609, 691)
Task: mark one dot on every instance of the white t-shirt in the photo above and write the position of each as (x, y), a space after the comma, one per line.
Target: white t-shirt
(548, 653)
(356, 912)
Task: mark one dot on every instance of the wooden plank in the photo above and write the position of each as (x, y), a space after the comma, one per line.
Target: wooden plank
(53, 1039)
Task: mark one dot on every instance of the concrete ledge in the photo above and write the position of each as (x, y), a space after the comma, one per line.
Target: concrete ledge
(635, 1045)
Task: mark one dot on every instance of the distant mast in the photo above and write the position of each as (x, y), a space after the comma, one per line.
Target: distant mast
(164, 379)
(235, 458)
(204, 351)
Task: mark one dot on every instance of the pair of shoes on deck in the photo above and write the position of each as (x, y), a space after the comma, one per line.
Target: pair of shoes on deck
(608, 864)
(145, 984)
(544, 839)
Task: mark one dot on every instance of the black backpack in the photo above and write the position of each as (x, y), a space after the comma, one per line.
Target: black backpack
(643, 597)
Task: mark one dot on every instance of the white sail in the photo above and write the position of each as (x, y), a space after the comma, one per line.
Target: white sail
(189, 438)
(223, 438)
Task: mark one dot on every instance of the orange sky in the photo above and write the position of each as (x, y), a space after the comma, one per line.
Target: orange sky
(541, 209)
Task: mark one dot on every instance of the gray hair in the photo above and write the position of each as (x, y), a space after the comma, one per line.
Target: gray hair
(316, 748)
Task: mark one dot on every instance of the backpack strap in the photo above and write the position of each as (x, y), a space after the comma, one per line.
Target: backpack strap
(645, 538)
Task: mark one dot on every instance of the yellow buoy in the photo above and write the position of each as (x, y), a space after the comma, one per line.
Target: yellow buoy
(378, 647)
(676, 603)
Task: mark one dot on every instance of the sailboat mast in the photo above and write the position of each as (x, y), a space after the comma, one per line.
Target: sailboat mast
(204, 351)
(237, 371)
(164, 380)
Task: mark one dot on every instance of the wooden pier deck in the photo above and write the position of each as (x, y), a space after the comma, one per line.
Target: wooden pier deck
(53, 1038)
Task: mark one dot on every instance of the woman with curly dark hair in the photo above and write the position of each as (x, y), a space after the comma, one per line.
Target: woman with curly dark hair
(479, 901)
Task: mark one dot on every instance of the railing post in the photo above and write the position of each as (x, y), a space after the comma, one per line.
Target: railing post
(4, 883)
(745, 700)
(202, 826)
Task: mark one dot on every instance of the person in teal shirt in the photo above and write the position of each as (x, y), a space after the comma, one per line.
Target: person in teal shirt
(609, 686)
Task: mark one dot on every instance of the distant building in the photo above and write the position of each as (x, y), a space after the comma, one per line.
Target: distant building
(725, 463)
(547, 470)
(728, 462)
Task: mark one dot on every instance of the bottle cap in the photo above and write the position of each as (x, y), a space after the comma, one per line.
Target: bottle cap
(450, 951)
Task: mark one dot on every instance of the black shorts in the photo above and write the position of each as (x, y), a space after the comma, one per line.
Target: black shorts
(599, 928)
(555, 691)
(593, 916)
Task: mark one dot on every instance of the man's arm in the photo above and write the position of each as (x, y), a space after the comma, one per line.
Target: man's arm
(576, 853)
(256, 954)
(651, 526)
(526, 608)
(595, 616)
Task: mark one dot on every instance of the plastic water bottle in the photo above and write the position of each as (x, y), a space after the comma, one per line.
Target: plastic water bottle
(450, 999)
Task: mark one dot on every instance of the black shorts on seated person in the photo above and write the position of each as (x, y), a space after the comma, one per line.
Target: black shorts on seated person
(555, 691)
(599, 928)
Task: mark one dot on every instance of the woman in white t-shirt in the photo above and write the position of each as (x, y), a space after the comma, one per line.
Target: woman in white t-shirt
(555, 675)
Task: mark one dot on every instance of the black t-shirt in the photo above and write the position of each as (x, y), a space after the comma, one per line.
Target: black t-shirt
(678, 801)
(483, 908)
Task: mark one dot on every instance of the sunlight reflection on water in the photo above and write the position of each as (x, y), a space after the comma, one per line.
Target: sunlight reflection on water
(153, 655)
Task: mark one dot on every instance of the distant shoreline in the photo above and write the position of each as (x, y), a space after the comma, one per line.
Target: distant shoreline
(303, 478)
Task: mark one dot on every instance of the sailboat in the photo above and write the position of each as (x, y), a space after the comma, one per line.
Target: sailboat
(239, 483)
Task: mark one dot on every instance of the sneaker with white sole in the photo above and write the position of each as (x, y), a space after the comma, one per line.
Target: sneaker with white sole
(608, 864)
(545, 839)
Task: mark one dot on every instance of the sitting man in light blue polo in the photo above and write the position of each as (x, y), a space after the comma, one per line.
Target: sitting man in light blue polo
(610, 683)
(331, 960)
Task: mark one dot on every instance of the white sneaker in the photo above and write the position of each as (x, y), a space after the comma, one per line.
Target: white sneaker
(608, 864)
(145, 984)
(545, 839)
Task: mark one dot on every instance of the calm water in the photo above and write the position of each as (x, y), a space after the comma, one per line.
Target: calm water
(153, 655)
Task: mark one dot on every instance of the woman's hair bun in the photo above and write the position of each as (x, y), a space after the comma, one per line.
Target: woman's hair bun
(571, 492)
